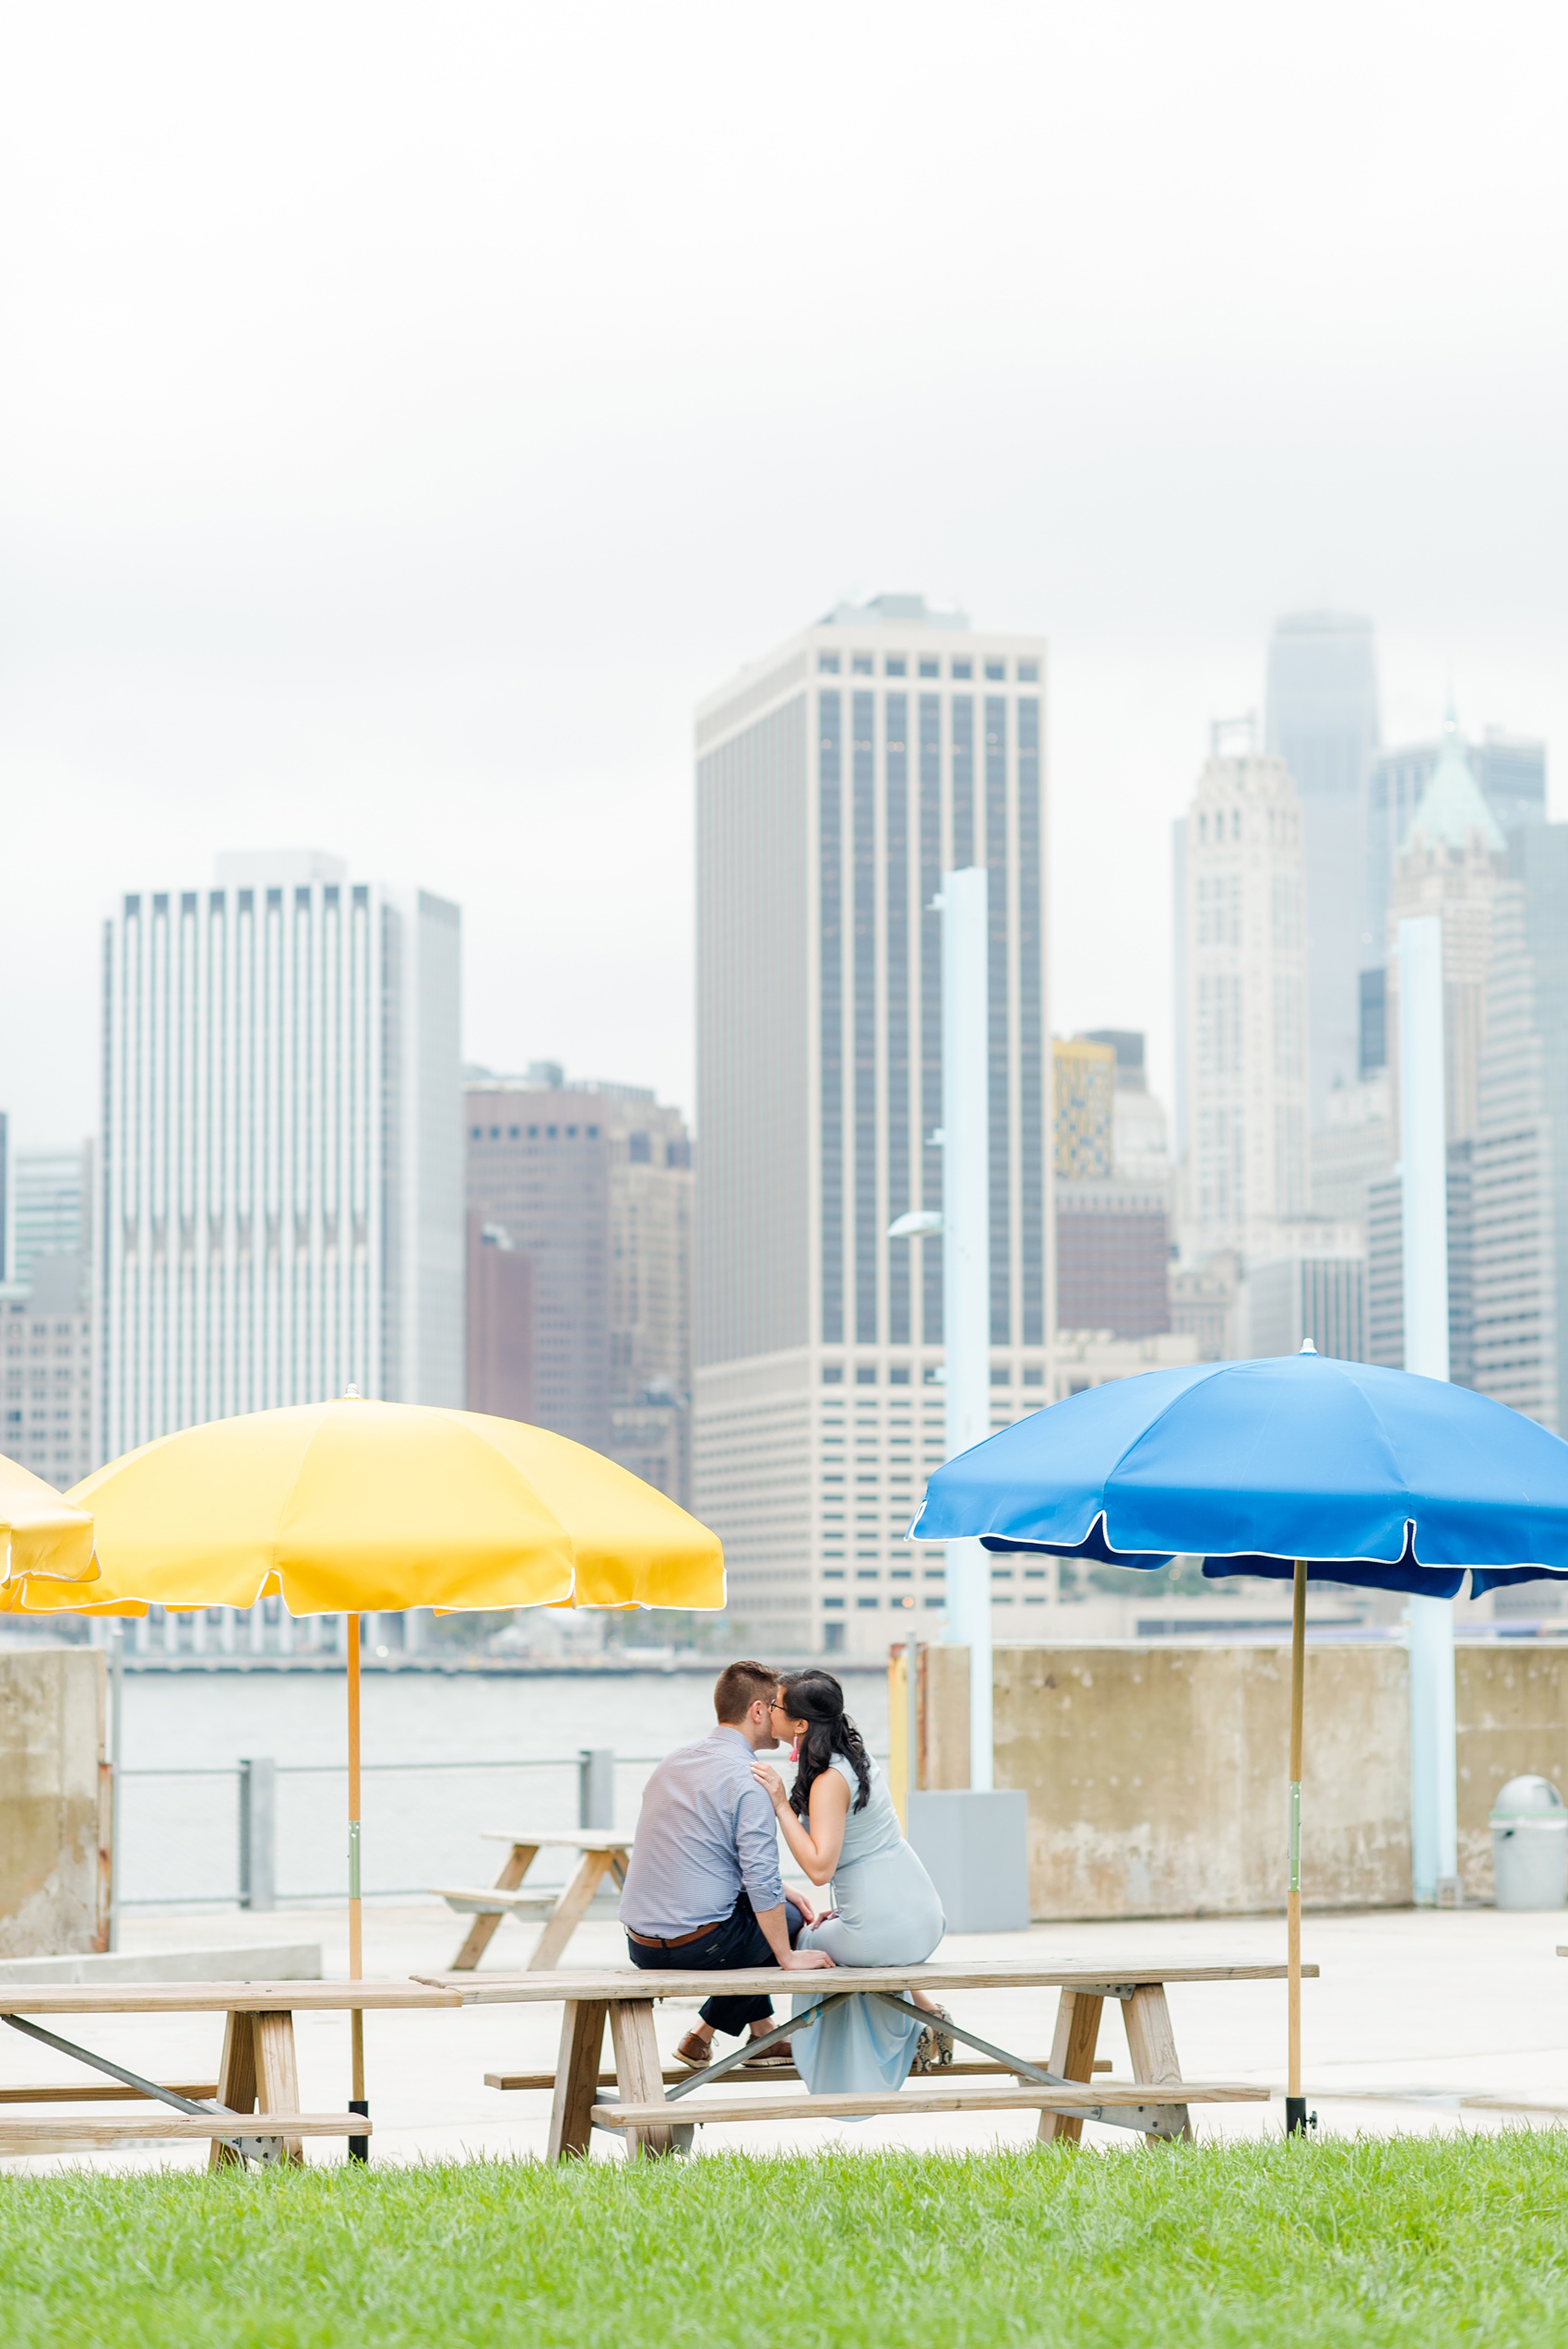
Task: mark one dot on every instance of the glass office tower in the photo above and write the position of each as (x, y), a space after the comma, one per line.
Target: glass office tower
(836, 779)
(1322, 721)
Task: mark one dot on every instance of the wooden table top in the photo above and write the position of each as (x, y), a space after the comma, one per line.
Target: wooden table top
(558, 1838)
(215, 1997)
(620, 1983)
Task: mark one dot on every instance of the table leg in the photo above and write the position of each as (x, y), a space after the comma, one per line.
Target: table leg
(482, 1932)
(1151, 2043)
(1071, 2055)
(577, 2076)
(236, 2084)
(568, 1912)
(639, 2077)
(276, 2074)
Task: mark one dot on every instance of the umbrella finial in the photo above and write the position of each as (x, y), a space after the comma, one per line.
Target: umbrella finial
(350, 1395)
(1307, 1347)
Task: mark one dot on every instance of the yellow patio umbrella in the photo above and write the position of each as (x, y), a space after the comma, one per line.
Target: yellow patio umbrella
(353, 1508)
(41, 1531)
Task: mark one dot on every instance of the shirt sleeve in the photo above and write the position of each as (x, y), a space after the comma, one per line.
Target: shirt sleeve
(756, 1842)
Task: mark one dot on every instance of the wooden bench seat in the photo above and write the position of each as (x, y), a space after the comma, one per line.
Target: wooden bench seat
(116, 2129)
(1143, 2096)
(200, 2092)
(748, 2079)
(483, 1899)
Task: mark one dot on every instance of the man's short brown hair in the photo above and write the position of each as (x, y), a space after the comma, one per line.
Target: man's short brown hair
(738, 1688)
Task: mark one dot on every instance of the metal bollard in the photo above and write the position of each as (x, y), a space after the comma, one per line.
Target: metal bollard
(596, 1786)
(258, 1879)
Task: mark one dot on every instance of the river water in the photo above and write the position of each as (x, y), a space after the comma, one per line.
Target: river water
(466, 1753)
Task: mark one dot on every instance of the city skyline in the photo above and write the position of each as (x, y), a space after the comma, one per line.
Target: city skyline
(1512, 771)
(1415, 684)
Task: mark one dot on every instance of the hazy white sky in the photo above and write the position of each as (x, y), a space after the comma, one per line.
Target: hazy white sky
(407, 413)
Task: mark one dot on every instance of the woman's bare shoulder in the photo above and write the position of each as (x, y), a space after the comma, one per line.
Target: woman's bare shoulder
(832, 1788)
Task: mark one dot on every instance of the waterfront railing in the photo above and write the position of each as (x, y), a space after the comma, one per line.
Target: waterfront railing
(263, 1833)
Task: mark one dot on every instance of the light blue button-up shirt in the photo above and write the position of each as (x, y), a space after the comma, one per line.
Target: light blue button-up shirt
(706, 1833)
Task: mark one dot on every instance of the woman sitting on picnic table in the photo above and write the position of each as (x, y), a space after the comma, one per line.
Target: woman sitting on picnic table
(840, 1825)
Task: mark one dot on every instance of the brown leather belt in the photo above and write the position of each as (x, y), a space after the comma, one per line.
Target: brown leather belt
(673, 1941)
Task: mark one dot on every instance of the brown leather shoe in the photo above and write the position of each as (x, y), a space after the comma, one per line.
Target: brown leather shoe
(696, 2052)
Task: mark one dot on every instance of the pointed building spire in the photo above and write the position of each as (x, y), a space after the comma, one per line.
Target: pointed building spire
(1453, 805)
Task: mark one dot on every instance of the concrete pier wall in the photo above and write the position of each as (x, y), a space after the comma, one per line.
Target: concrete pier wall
(1156, 1773)
(54, 1802)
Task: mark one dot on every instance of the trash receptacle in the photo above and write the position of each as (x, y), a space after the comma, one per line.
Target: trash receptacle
(1529, 1845)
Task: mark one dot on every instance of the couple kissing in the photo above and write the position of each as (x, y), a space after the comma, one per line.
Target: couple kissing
(703, 1891)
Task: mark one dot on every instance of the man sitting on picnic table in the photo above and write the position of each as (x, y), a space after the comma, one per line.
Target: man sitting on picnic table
(703, 1888)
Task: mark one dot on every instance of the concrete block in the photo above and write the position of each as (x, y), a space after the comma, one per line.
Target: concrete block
(1155, 1777)
(1510, 1721)
(975, 1846)
(257, 1961)
(53, 1801)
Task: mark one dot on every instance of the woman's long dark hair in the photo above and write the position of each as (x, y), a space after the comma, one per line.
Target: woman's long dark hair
(816, 1698)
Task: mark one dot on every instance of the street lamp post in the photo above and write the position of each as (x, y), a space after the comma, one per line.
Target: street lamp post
(1423, 1140)
(973, 1838)
(965, 1227)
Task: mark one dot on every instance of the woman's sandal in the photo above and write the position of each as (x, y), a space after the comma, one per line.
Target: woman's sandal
(778, 2057)
(934, 2049)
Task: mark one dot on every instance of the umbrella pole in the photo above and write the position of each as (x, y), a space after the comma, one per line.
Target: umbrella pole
(359, 2147)
(1295, 2102)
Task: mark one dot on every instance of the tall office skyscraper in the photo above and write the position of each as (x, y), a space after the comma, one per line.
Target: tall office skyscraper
(49, 1206)
(280, 1197)
(1519, 1187)
(1321, 720)
(1113, 1189)
(1245, 1016)
(836, 779)
(580, 1261)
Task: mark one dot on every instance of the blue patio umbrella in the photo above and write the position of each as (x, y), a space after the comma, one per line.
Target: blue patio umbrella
(1299, 1466)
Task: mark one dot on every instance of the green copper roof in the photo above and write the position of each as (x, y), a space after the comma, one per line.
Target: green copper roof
(1453, 805)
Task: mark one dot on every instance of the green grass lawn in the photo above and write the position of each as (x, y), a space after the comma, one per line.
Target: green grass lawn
(1408, 2241)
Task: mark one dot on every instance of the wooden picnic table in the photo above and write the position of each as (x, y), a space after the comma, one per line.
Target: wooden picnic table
(655, 2115)
(258, 2073)
(604, 1851)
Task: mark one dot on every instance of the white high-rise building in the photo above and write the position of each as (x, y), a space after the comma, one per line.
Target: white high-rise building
(836, 779)
(281, 1190)
(1519, 1193)
(1243, 1025)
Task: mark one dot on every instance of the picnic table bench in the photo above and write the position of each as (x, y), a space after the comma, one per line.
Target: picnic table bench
(1154, 2102)
(603, 1851)
(256, 2073)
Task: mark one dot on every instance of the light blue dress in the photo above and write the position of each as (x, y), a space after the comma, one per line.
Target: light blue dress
(888, 1915)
